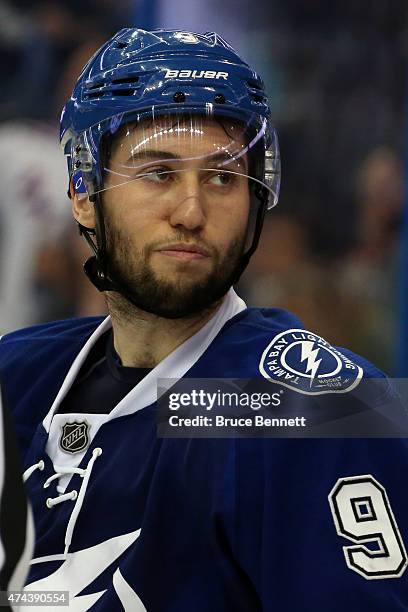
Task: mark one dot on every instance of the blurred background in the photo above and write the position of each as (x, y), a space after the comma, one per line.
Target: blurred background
(333, 251)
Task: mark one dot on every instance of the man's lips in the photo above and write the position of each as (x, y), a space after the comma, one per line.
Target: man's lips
(185, 251)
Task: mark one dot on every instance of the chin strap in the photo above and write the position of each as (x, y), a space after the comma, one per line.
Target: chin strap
(92, 266)
(95, 266)
(93, 271)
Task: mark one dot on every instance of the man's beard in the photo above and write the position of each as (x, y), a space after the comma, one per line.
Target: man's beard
(180, 297)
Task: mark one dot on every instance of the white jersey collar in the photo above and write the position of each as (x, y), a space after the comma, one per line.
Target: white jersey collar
(174, 365)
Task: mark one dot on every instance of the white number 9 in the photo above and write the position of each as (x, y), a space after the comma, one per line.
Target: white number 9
(362, 514)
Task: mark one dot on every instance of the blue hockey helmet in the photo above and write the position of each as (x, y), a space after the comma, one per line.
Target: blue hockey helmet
(139, 76)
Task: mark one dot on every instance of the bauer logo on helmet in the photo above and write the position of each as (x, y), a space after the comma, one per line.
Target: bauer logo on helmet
(195, 74)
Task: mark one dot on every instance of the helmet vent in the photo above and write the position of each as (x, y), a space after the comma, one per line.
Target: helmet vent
(123, 92)
(126, 80)
(113, 88)
(121, 45)
(94, 94)
(95, 86)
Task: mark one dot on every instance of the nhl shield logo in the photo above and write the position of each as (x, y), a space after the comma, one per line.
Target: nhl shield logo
(74, 437)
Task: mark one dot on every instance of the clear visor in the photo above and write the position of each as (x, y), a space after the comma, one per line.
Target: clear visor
(164, 156)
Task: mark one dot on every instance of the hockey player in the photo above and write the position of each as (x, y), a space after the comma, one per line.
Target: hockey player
(173, 162)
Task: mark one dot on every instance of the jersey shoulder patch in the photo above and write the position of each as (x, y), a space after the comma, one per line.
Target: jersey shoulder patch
(305, 362)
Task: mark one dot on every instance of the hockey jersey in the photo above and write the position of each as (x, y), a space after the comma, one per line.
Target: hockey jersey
(143, 523)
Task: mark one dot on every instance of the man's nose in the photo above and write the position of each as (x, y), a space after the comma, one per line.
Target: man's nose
(188, 210)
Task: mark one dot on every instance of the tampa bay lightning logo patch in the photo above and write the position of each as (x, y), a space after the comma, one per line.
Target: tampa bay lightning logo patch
(305, 362)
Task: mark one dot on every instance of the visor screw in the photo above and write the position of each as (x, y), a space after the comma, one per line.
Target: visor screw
(219, 99)
(179, 96)
(78, 149)
(77, 163)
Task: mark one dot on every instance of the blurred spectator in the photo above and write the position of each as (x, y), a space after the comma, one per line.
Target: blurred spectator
(284, 274)
(41, 251)
(345, 70)
(45, 33)
(34, 210)
(350, 300)
(368, 277)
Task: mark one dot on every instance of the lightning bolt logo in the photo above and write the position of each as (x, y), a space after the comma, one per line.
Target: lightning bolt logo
(310, 354)
(315, 368)
(81, 568)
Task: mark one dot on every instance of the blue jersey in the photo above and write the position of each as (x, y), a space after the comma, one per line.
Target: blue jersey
(127, 520)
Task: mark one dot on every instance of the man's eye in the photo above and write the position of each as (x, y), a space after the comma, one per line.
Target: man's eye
(158, 175)
(221, 178)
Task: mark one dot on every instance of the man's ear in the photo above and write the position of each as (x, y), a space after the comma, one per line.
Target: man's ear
(82, 208)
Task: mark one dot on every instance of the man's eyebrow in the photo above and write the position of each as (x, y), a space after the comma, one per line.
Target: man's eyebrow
(153, 154)
(222, 157)
(225, 158)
